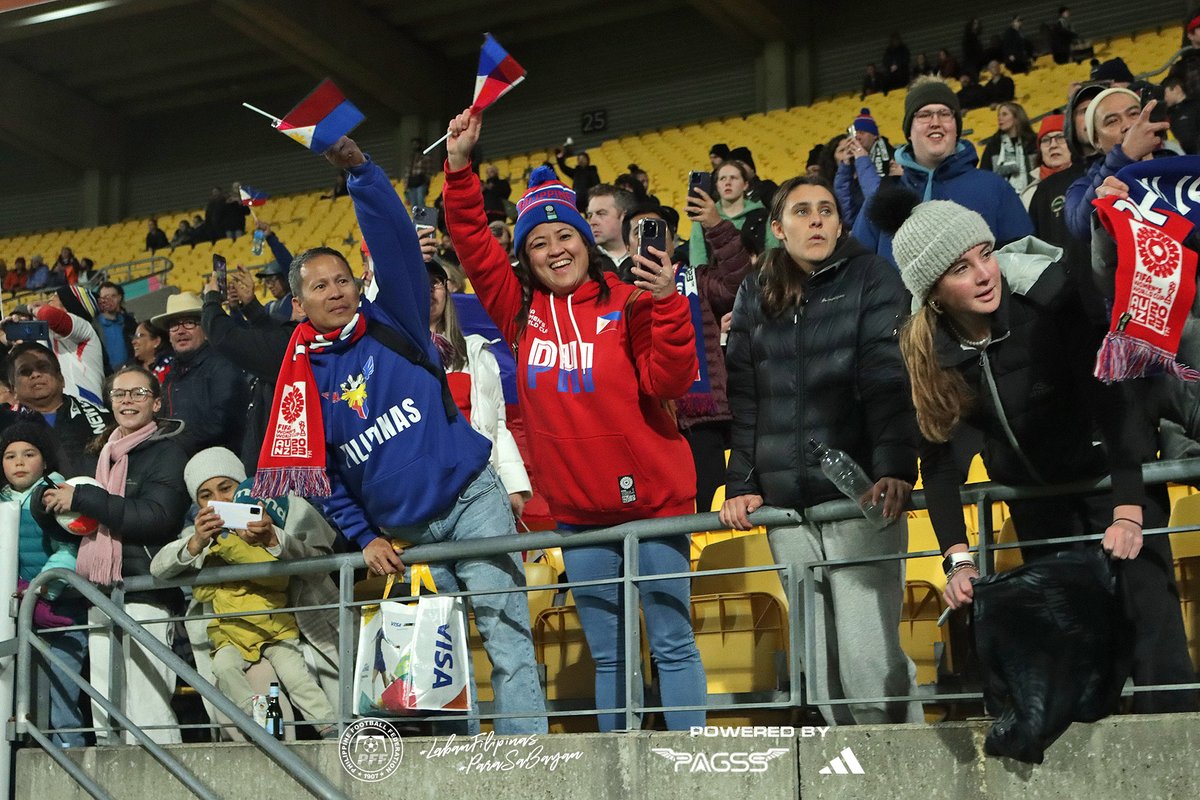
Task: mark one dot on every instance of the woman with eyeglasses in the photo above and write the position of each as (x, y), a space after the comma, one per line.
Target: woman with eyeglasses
(140, 505)
(474, 378)
(151, 349)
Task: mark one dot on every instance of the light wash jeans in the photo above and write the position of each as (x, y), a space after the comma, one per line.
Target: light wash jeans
(66, 711)
(666, 605)
(483, 511)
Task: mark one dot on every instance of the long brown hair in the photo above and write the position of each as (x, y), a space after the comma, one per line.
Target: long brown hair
(450, 328)
(941, 396)
(783, 282)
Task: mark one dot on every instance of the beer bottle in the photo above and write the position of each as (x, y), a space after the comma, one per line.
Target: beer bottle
(274, 713)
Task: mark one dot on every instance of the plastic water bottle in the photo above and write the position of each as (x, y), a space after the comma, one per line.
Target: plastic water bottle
(259, 238)
(845, 473)
(274, 713)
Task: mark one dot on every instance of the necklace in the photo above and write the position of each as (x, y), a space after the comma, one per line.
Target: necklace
(977, 344)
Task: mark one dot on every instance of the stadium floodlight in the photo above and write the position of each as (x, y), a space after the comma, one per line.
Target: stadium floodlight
(64, 13)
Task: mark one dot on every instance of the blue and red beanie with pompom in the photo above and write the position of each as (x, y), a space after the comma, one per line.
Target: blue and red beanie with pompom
(547, 200)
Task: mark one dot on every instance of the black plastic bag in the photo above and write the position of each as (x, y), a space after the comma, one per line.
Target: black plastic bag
(1054, 647)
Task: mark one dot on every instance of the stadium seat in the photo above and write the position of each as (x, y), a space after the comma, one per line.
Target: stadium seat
(920, 636)
(1185, 549)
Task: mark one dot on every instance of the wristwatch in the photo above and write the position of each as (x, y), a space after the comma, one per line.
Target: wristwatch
(954, 559)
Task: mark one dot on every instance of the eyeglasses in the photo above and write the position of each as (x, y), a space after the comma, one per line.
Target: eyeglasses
(43, 367)
(186, 323)
(1054, 137)
(140, 393)
(436, 283)
(927, 115)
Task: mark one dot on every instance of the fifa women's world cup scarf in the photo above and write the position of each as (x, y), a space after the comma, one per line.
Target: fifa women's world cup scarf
(1156, 273)
(699, 401)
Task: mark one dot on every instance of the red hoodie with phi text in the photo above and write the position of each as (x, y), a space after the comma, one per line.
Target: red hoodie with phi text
(593, 378)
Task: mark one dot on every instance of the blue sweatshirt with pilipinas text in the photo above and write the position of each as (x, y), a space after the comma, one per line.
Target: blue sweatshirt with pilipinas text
(393, 458)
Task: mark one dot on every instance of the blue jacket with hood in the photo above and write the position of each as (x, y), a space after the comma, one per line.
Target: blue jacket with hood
(393, 458)
(957, 179)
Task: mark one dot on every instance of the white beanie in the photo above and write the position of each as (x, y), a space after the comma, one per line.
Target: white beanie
(1089, 116)
(215, 462)
(933, 237)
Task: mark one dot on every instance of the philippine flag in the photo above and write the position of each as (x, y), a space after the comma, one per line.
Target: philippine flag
(606, 321)
(252, 196)
(498, 74)
(322, 118)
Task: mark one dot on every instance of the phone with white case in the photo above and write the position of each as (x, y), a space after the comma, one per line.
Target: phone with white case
(236, 516)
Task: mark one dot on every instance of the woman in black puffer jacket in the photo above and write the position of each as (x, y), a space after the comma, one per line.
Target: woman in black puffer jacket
(813, 354)
(140, 508)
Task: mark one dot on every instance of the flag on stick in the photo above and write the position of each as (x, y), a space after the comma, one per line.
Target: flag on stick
(498, 73)
(251, 196)
(320, 119)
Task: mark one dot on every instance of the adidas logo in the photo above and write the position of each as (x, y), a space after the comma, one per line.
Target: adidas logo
(844, 764)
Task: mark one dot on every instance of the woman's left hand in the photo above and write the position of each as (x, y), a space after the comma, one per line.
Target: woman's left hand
(59, 498)
(893, 493)
(428, 239)
(656, 278)
(1122, 540)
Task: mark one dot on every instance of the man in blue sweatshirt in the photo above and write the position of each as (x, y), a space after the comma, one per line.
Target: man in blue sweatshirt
(938, 166)
(401, 464)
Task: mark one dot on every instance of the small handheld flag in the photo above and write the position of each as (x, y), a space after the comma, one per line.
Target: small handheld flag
(498, 73)
(319, 120)
(251, 196)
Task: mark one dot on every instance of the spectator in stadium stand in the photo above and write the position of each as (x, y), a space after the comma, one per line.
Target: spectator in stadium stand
(1115, 71)
(812, 166)
(474, 378)
(16, 278)
(607, 207)
(704, 411)
(424, 476)
(1191, 31)
(152, 349)
(37, 382)
(68, 264)
(972, 47)
(980, 307)
(583, 175)
(718, 154)
(116, 324)
(852, 305)
(39, 273)
(759, 189)
(1119, 127)
(503, 235)
(643, 178)
(971, 95)
(938, 165)
(274, 276)
(140, 505)
(183, 234)
(233, 218)
(830, 153)
(203, 389)
(156, 238)
(1015, 48)
(604, 445)
(339, 188)
(416, 179)
(1011, 150)
(629, 182)
(1063, 36)
(1184, 113)
(496, 191)
(57, 275)
(732, 204)
(862, 161)
(922, 66)
(1055, 171)
(947, 65)
(896, 63)
(872, 82)
(214, 217)
(70, 313)
(999, 87)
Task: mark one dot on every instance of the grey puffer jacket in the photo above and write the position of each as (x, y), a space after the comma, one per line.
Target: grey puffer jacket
(829, 369)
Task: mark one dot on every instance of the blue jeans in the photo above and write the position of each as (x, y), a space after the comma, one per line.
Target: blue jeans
(667, 608)
(416, 195)
(66, 710)
(483, 511)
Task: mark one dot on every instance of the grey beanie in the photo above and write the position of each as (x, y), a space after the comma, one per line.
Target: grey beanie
(930, 92)
(931, 239)
(215, 462)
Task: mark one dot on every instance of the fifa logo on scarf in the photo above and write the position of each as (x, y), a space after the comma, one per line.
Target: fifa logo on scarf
(291, 440)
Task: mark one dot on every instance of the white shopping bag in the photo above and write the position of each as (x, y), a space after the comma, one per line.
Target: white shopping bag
(413, 657)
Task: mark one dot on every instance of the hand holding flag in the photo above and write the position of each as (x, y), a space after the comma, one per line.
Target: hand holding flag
(498, 73)
(319, 120)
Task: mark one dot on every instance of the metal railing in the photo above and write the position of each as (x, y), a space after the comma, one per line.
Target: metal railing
(629, 535)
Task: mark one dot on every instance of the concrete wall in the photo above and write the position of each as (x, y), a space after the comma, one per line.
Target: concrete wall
(1147, 757)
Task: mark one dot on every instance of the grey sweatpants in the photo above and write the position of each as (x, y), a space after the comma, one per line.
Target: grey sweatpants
(857, 617)
(301, 687)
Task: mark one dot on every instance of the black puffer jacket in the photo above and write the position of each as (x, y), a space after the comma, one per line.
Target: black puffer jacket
(208, 394)
(1041, 358)
(151, 513)
(830, 370)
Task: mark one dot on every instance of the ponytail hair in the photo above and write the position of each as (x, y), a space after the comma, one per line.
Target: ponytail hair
(940, 396)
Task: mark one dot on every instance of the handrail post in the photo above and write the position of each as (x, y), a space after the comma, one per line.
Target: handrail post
(346, 654)
(984, 517)
(630, 622)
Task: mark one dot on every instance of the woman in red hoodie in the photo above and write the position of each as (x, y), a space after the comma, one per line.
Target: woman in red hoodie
(597, 363)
